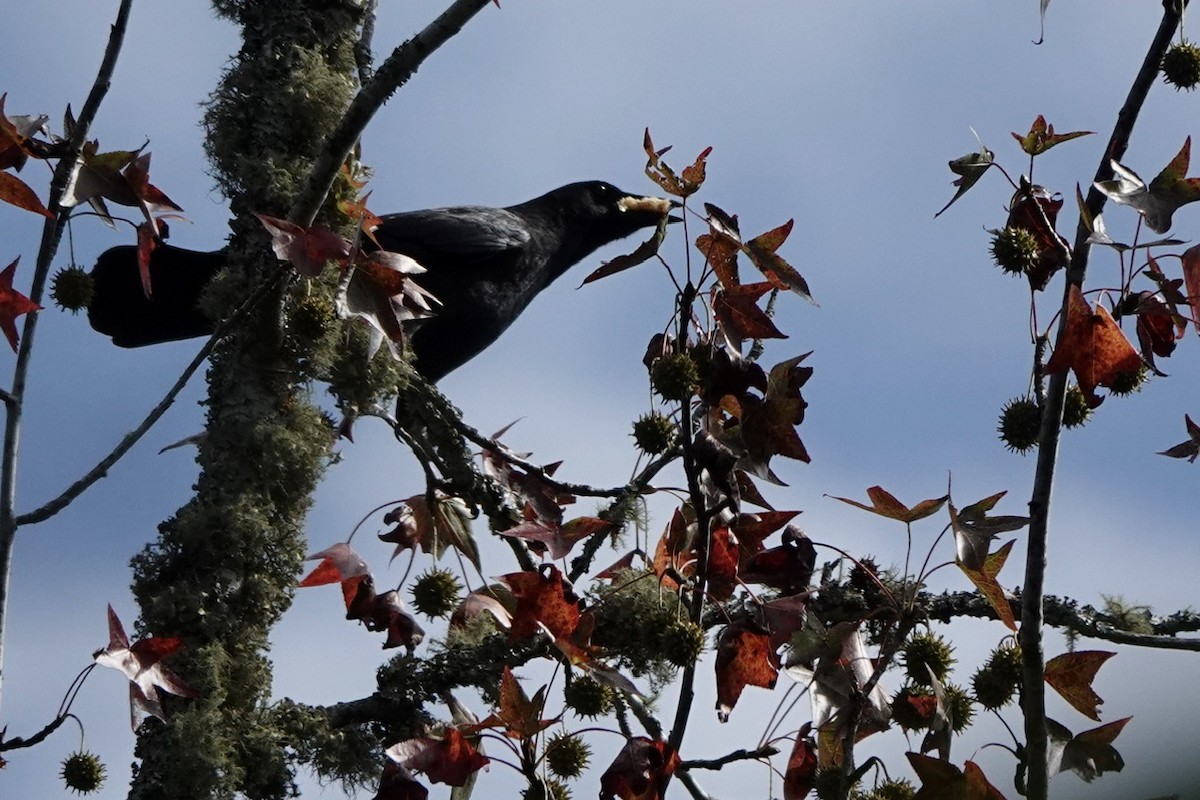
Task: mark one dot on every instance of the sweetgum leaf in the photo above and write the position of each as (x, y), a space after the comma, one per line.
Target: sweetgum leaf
(885, 505)
(1189, 448)
(12, 304)
(970, 169)
(985, 581)
(744, 658)
(1093, 347)
(1041, 137)
(1071, 675)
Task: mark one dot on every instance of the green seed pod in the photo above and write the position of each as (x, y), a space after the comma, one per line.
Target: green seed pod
(83, 772)
(675, 377)
(1020, 424)
(436, 593)
(1181, 66)
(654, 433)
(72, 289)
(1015, 250)
(567, 756)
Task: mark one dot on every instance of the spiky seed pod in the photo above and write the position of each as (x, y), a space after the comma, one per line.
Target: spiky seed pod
(654, 433)
(904, 713)
(683, 642)
(436, 593)
(1075, 407)
(924, 652)
(1181, 66)
(962, 710)
(675, 377)
(827, 783)
(311, 317)
(567, 756)
(546, 789)
(1128, 382)
(1020, 424)
(864, 574)
(588, 697)
(997, 681)
(72, 289)
(897, 789)
(83, 772)
(1015, 250)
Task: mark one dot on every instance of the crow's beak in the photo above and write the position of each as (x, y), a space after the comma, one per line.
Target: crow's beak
(671, 218)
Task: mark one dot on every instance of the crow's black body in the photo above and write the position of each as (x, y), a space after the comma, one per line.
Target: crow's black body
(484, 264)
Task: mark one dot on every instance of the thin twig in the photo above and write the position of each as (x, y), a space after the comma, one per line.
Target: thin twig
(52, 231)
(391, 75)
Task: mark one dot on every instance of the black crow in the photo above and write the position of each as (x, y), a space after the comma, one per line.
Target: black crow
(484, 264)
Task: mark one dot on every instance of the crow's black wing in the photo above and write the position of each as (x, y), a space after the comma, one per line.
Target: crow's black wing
(465, 237)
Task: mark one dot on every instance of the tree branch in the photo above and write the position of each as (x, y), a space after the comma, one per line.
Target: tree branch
(52, 231)
(1039, 503)
(392, 74)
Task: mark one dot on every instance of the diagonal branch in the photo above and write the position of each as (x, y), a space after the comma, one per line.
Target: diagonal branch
(1039, 502)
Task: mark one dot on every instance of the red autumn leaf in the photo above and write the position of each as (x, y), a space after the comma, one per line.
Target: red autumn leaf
(673, 555)
(1191, 279)
(1041, 137)
(1033, 208)
(338, 563)
(385, 612)
(451, 759)
(306, 249)
(752, 529)
(761, 250)
(1089, 754)
(1188, 449)
(801, 773)
(1093, 347)
(381, 294)
(722, 564)
(885, 505)
(141, 663)
(1071, 675)
(985, 581)
(737, 311)
(744, 658)
(787, 567)
(12, 304)
(941, 780)
(721, 245)
(768, 426)
(556, 539)
(1155, 327)
(640, 771)
(657, 170)
(541, 603)
(520, 717)
(15, 191)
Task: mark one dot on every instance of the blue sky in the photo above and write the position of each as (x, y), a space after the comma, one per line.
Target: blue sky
(841, 115)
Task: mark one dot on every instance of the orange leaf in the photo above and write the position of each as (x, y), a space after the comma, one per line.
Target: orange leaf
(1093, 346)
(941, 780)
(541, 602)
(885, 505)
(1071, 675)
(801, 772)
(640, 771)
(16, 192)
(744, 658)
(985, 581)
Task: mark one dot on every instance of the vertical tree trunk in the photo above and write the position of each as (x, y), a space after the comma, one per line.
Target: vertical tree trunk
(222, 571)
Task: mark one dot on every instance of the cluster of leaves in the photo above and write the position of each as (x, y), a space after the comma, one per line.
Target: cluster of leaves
(1092, 344)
